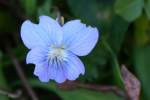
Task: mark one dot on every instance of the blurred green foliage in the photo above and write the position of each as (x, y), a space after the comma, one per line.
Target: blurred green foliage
(124, 27)
(2, 78)
(129, 10)
(30, 7)
(80, 94)
(147, 8)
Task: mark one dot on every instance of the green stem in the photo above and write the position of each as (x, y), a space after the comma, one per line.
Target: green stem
(115, 63)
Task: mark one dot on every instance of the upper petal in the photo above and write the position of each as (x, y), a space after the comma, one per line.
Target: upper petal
(78, 38)
(53, 29)
(70, 29)
(32, 35)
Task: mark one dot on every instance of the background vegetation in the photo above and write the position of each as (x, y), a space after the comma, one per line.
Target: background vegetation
(124, 27)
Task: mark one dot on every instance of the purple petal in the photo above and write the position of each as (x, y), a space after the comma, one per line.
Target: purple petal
(37, 55)
(56, 71)
(32, 35)
(79, 39)
(41, 70)
(52, 28)
(60, 77)
(70, 29)
(73, 67)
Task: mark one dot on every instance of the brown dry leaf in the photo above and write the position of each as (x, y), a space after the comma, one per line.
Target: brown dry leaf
(132, 84)
(68, 85)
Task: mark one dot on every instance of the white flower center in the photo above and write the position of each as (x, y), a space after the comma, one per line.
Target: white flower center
(57, 53)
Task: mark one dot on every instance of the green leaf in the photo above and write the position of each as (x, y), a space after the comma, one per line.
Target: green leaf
(30, 7)
(142, 67)
(147, 8)
(141, 54)
(45, 8)
(129, 9)
(93, 12)
(77, 94)
(117, 34)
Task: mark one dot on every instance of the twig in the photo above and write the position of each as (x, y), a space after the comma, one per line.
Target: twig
(15, 95)
(21, 74)
(96, 87)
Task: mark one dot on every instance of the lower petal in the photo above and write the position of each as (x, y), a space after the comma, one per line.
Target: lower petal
(73, 67)
(60, 77)
(56, 71)
(37, 55)
(41, 70)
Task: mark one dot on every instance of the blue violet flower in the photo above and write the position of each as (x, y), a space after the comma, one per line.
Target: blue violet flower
(54, 48)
